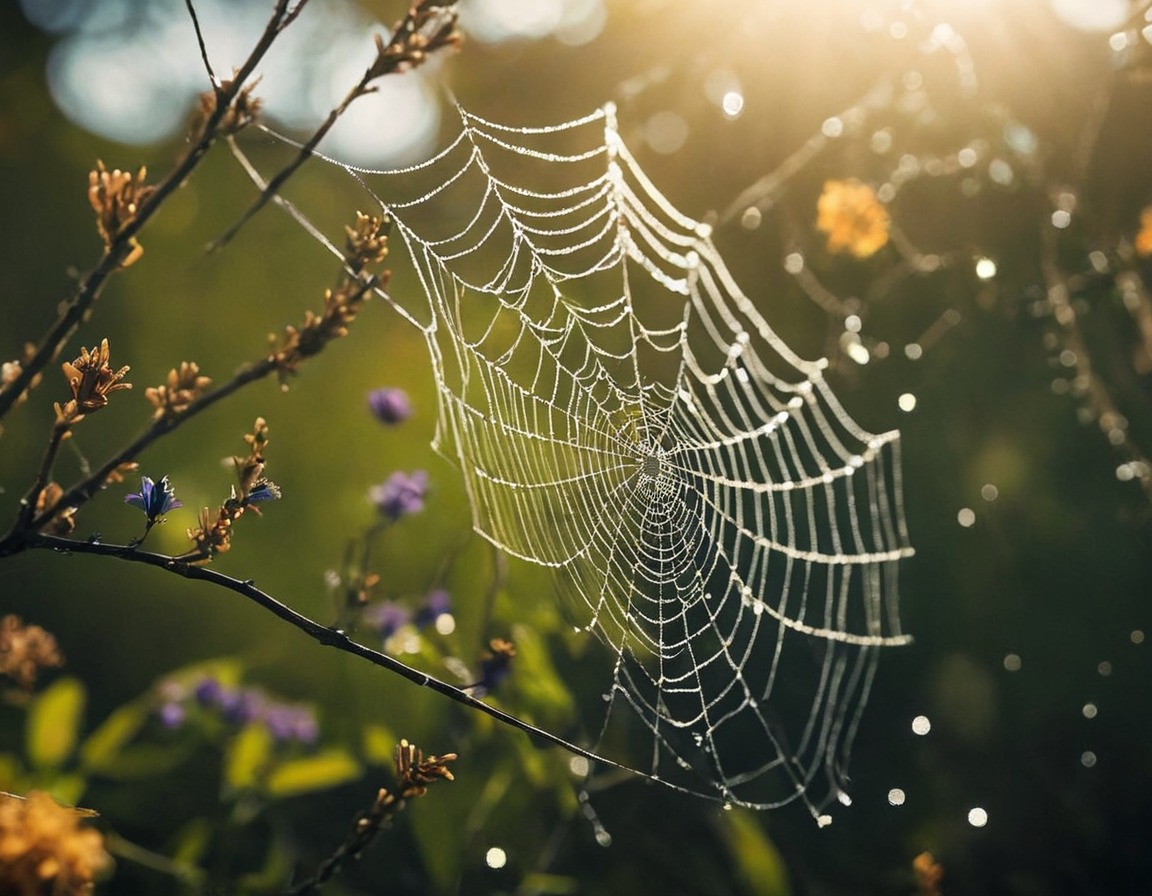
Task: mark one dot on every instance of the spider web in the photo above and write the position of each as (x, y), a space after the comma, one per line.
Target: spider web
(622, 412)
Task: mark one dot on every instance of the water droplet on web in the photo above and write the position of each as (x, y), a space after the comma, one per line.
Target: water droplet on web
(921, 725)
(895, 797)
(1089, 710)
(495, 858)
(1012, 662)
(977, 817)
(1087, 759)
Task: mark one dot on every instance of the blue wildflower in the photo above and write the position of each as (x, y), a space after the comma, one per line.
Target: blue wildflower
(400, 494)
(264, 490)
(154, 498)
(436, 604)
(209, 691)
(390, 405)
(385, 618)
(495, 666)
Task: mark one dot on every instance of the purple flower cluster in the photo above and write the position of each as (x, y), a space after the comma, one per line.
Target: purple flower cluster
(390, 405)
(286, 722)
(400, 494)
(388, 617)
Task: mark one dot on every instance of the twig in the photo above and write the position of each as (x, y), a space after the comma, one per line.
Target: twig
(406, 48)
(328, 637)
(75, 309)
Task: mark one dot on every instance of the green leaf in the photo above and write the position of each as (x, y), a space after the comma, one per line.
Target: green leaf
(756, 856)
(54, 723)
(320, 771)
(247, 757)
(535, 679)
(67, 788)
(104, 745)
(191, 842)
(379, 744)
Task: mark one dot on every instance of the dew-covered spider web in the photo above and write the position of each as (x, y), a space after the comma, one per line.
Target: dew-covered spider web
(623, 413)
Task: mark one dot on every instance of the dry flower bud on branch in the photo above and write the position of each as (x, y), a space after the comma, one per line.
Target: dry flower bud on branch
(243, 111)
(25, 650)
(366, 244)
(63, 521)
(214, 534)
(116, 197)
(184, 385)
(413, 775)
(367, 241)
(10, 370)
(91, 379)
(424, 30)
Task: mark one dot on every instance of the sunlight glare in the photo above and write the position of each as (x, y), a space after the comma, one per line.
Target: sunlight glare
(1091, 15)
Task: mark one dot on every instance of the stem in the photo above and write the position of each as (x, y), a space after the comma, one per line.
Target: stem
(401, 33)
(328, 637)
(28, 506)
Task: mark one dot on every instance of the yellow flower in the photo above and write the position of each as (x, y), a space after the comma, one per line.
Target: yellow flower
(852, 217)
(43, 848)
(1144, 237)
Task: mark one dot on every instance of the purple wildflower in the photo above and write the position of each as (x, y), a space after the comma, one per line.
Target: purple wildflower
(280, 721)
(172, 714)
(437, 603)
(390, 405)
(209, 692)
(400, 494)
(154, 498)
(385, 618)
(306, 729)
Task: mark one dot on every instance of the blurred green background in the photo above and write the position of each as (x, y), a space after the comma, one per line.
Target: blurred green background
(1029, 657)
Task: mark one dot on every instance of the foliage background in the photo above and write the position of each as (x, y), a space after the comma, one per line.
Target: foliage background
(1056, 570)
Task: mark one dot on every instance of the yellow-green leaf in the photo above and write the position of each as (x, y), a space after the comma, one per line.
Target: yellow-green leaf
(67, 788)
(756, 856)
(325, 769)
(54, 722)
(247, 757)
(379, 744)
(104, 745)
